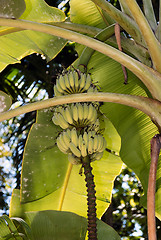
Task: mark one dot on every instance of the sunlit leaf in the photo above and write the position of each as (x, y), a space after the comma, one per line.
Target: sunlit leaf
(15, 46)
(5, 102)
(45, 171)
(135, 128)
(86, 13)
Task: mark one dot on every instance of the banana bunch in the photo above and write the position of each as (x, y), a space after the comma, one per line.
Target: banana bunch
(78, 146)
(72, 82)
(77, 115)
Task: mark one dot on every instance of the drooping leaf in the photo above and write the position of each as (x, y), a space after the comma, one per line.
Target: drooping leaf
(5, 102)
(8, 231)
(56, 225)
(22, 227)
(64, 225)
(49, 178)
(86, 8)
(12, 8)
(16, 45)
(135, 128)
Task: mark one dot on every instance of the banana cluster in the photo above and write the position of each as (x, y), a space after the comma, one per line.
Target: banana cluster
(78, 146)
(75, 115)
(72, 82)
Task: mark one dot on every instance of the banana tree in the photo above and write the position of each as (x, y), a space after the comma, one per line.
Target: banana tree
(127, 102)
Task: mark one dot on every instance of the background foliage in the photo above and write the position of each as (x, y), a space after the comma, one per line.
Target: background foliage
(31, 80)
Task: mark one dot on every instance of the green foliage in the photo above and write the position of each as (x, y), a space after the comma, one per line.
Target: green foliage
(51, 224)
(54, 183)
(20, 44)
(44, 163)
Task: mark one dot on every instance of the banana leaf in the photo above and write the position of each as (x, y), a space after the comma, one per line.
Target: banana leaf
(18, 44)
(50, 179)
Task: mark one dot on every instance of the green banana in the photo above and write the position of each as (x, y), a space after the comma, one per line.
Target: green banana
(95, 143)
(63, 143)
(94, 116)
(75, 112)
(80, 111)
(74, 150)
(68, 131)
(73, 159)
(90, 112)
(103, 145)
(62, 122)
(85, 138)
(74, 137)
(83, 150)
(68, 115)
(97, 156)
(100, 143)
(62, 83)
(59, 89)
(56, 92)
(55, 119)
(85, 111)
(66, 80)
(80, 142)
(66, 138)
(71, 81)
(61, 110)
(76, 81)
(97, 125)
(82, 82)
(63, 148)
(90, 146)
(88, 82)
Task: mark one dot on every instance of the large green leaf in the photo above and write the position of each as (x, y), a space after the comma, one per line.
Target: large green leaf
(15, 46)
(64, 225)
(134, 127)
(79, 13)
(45, 171)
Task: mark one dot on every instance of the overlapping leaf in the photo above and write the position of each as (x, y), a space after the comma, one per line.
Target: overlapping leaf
(134, 127)
(45, 169)
(64, 225)
(17, 45)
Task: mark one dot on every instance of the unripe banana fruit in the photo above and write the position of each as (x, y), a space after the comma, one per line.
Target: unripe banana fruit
(78, 146)
(76, 115)
(72, 82)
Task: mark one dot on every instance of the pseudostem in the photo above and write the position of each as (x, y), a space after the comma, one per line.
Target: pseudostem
(155, 150)
(91, 201)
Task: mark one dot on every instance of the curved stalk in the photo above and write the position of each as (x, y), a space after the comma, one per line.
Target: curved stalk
(149, 13)
(77, 27)
(66, 25)
(124, 7)
(123, 20)
(149, 37)
(155, 150)
(149, 106)
(149, 77)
